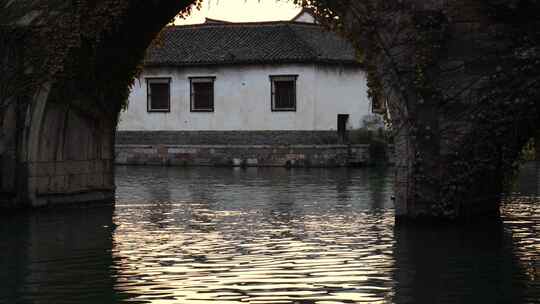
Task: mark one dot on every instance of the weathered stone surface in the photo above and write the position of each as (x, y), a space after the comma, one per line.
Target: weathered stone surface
(62, 141)
(245, 155)
(537, 145)
(227, 137)
(451, 73)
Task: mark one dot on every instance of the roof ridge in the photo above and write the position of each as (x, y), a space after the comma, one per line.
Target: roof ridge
(208, 20)
(239, 24)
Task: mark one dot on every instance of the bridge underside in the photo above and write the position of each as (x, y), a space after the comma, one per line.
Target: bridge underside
(57, 139)
(66, 157)
(70, 65)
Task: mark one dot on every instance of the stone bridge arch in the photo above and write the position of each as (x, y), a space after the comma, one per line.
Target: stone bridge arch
(78, 59)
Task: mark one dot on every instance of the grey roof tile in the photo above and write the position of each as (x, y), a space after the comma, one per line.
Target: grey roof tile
(245, 43)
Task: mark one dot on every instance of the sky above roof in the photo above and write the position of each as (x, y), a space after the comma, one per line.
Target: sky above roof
(242, 11)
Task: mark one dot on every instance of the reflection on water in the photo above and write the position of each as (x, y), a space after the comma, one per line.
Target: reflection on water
(57, 257)
(266, 236)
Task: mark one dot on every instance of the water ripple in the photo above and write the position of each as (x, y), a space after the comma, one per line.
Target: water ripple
(211, 235)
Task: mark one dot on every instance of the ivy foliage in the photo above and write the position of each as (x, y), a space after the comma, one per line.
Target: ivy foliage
(88, 51)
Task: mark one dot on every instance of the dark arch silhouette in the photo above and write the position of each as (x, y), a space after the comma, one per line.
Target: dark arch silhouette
(59, 148)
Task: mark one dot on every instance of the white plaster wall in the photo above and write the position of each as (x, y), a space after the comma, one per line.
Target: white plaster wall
(242, 99)
(340, 91)
(305, 17)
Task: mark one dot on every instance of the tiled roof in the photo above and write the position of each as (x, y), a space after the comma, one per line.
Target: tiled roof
(245, 43)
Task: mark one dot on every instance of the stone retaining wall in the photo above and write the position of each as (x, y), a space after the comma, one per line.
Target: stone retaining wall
(71, 176)
(227, 138)
(243, 155)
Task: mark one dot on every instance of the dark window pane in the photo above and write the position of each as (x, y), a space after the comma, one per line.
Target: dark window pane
(159, 96)
(284, 95)
(203, 96)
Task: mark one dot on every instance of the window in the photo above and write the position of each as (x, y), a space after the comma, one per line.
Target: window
(284, 92)
(158, 94)
(202, 94)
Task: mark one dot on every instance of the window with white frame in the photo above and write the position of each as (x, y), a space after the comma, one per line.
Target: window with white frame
(158, 94)
(202, 94)
(283, 92)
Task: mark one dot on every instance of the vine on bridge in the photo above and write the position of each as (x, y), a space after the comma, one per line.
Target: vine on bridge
(464, 96)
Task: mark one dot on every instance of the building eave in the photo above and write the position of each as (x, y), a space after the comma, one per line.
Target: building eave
(353, 64)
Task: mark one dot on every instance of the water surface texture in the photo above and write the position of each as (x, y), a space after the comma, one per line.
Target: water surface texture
(320, 236)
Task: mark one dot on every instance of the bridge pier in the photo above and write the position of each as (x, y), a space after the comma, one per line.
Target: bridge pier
(78, 59)
(440, 178)
(60, 155)
(70, 156)
(460, 112)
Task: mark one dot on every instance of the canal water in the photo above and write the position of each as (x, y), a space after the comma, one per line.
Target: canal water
(209, 235)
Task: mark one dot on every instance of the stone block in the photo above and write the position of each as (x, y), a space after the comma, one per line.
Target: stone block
(96, 166)
(95, 180)
(179, 162)
(41, 168)
(108, 181)
(252, 162)
(42, 184)
(106, 144)
(121, 156)
(107, 165)
(72, 167)
(295, 156)
(182, 156)
(162, 150)
(80, 183)
(145, 150)
(182, 150)
(155, 160)
(58, 184)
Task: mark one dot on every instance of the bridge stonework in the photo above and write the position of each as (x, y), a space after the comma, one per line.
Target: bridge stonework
(461, 102)
(537, 146)
(70, 64)
(441, 90)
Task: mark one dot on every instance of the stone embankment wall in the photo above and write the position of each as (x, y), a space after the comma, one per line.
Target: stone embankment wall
(227, 137)
(243, 155)
(232, 148)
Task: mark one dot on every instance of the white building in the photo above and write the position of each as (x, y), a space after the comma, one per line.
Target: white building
(252, 77)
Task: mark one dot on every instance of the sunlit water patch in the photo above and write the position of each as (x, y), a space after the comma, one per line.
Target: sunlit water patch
(258, 236)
